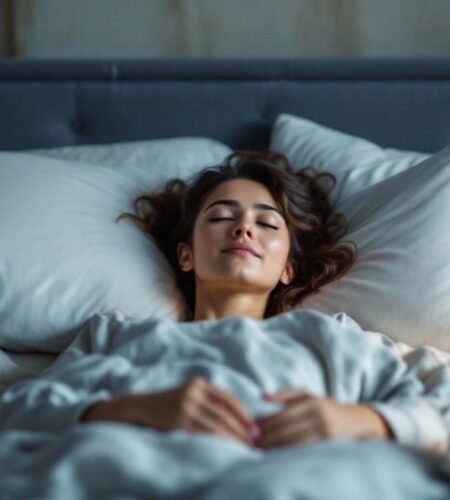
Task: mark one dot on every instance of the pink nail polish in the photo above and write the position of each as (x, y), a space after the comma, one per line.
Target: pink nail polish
(255, 432)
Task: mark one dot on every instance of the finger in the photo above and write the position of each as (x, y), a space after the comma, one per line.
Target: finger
(228, 422)
(288, 395)
(233, 405)
(290, 440)
(277, 432)
(288, 436)
(297, 412)
(208, 423)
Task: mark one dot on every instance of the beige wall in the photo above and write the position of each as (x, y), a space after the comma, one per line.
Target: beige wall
(224, 28)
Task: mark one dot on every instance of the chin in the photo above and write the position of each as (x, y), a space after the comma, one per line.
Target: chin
(242, 283)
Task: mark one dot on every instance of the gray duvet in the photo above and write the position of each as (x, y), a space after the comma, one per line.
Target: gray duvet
(46, 453)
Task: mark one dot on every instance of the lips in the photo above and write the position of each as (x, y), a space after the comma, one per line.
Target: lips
(242, 247)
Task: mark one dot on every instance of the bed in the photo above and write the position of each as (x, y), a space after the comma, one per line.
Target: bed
(79, 140)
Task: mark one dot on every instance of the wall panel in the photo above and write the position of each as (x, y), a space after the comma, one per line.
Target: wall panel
(230, 28)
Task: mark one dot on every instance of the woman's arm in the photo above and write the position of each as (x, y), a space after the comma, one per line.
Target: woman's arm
(388, 400)
(308, 418)
(196, 406)
(114, 410)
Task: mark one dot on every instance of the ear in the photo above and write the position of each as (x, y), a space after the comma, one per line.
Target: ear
(184, 255)
(288, 273)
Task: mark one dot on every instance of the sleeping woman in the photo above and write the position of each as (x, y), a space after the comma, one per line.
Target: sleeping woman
(247, 240)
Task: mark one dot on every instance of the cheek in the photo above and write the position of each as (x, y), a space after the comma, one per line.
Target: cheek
(203, 237)
(279, 246)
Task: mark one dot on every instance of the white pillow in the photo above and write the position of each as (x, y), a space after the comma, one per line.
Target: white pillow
(63, 257)
(356, 163)
(178, 153)
(400, 283)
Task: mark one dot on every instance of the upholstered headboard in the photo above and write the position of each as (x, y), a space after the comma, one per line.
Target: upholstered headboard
(395, 103)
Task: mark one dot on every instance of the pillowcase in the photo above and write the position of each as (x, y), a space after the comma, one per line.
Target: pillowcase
(400, 282)
(64, 258)
(356, 163)
(177, 153)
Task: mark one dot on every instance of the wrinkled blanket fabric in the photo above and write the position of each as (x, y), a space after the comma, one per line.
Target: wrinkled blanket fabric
(46, 453)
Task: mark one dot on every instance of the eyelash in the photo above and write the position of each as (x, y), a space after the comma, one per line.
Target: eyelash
(217, 219)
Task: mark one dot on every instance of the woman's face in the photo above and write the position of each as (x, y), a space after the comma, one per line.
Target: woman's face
(239, 212)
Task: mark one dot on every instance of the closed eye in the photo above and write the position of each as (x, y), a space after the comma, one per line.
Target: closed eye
(217, 219)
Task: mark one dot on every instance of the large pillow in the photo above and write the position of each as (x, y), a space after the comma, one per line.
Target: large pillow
(356, 163)
(63, 257)
(400, 283)
(179, 153)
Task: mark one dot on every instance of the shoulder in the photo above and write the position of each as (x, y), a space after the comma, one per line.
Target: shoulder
(337, 334)
(104, 331)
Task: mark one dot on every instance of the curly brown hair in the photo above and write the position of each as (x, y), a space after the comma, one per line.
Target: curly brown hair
(315, 229)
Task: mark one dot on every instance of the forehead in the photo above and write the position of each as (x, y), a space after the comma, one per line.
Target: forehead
(245, 191)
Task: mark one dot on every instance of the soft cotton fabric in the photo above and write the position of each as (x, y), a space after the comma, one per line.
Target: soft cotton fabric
(63, 257)
(356, 162)
(162, 158)
(16, 366)
(400, 282)
(45, 452)
(301, 349)
(114, 461)
(21, 366)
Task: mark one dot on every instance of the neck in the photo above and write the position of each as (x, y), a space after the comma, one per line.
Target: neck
(219, 304)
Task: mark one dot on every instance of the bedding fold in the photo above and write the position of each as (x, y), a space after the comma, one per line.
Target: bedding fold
(306, 349)
(45, 452)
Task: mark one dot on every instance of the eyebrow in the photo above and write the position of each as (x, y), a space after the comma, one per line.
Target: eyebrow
(234, 203)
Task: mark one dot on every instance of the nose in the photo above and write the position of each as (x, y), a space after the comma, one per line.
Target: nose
(243, 227)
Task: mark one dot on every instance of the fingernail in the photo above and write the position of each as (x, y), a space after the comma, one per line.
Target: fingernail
(255, 432)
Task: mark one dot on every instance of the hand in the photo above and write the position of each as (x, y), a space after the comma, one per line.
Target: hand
(196, 406)
(307, 418)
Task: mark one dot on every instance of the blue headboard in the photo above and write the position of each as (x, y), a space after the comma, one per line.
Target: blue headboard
(402, 103)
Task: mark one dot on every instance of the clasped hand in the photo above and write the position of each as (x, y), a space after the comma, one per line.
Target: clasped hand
(307, 418)
(199, 406)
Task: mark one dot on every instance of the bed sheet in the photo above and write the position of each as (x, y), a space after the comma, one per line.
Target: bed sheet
(45, 452)
(15, 367)
(114, 461)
